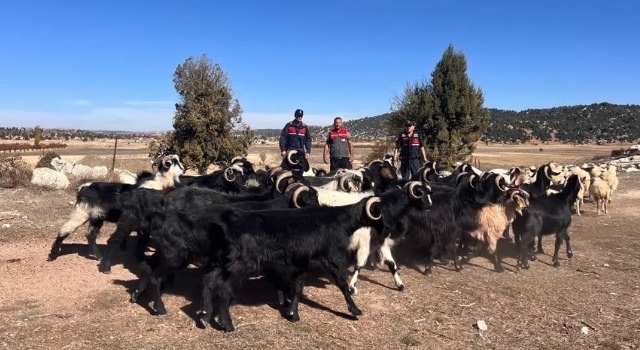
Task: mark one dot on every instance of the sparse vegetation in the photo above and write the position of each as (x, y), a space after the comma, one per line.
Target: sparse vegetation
(45, 160)
(14, 171)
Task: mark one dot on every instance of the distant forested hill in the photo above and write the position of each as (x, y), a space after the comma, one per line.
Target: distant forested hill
(595, 123)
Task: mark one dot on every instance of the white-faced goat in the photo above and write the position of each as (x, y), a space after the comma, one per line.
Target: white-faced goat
(97, 202)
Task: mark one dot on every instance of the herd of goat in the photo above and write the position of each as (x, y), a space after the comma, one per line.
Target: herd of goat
(285, 221)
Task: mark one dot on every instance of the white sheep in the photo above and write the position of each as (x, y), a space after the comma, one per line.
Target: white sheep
(601, 193)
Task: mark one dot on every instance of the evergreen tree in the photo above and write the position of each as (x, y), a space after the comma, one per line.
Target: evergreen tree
(448, 110)
(207, 124)
(37, 135)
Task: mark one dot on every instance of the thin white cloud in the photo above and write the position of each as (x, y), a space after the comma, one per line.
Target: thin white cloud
(110, 118)
(143, 118)
(149, 103)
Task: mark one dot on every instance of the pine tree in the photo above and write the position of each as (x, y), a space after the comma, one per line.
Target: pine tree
(448, 110)
(207, 124)
(37, 135)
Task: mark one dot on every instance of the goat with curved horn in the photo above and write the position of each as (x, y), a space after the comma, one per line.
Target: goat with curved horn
(370, 202)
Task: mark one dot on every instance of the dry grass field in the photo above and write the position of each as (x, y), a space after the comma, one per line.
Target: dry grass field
(68, 304)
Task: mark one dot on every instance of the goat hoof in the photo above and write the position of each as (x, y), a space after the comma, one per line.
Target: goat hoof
(569, 254)
(203, 323)
(134, 296)
(51, 257)
(556, 263)
(353, 291)
(160, 311)
(293, 316)
(401, 287)
(357, 314)
(104, 269)
(427, 272)
(499, 269)
(228, 328)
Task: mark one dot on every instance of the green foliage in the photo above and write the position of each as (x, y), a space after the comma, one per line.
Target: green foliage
(37, 135)
(45, 160)
(207, 124)
(448, 110)
(380, 149)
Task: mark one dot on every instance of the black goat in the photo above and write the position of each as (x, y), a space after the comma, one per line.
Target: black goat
(97, 202)
(268, 240)
(546, 215)
(452, 214)
(141, 205)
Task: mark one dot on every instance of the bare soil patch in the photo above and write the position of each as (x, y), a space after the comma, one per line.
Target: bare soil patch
(68, 304)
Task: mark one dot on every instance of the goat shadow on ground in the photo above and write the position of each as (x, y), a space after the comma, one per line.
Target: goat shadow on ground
(408, 255)
(81, 249)
(252, 292)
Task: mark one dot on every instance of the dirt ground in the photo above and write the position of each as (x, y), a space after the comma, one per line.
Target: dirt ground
(68, 304)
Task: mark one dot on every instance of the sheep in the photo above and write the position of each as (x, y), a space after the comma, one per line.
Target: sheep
(97, 202)
(611, 178)
(601, 193)
(494, 219)
(546, 215)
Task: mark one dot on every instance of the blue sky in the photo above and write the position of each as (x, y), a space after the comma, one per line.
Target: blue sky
(109, 64)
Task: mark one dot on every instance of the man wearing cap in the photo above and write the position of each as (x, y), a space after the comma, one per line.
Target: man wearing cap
(295, 136)
(409, 145)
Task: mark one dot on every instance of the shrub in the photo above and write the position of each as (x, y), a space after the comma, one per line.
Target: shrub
(14, 172)
(45, 160)
(380, 149)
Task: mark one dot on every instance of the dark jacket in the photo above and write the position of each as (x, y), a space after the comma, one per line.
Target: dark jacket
(295, 137)
(409, 145)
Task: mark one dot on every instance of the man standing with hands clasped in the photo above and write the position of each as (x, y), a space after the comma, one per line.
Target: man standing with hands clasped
(295, 136)
(338, 147)
(409, 145)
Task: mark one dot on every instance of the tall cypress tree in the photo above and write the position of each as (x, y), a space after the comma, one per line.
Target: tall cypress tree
(206, 116)
(448, 110)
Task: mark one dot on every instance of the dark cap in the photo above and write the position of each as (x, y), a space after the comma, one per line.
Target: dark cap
(298, 113)
(409, 123)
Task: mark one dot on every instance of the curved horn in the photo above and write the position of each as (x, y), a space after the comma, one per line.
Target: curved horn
(465, 167)
(458, 177)
(272, 171)
(296, 193)
(289, 154)
(525, 194)
(228, 174)
(513, 195)
(435, 170)
(342, 182)
(425, 174)
(367, 208)
(498, 178)
(236, 158)
(471, 177)
(282, 176)
(411, 189)
(374, 162)
(546, 171)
